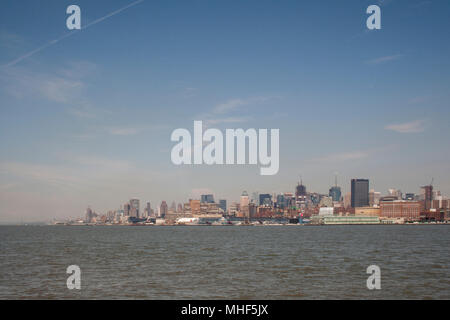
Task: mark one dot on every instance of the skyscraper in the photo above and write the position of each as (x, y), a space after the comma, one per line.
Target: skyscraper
(255, 198)
(134, 208)
(244, 203)
(244, 199)
(335, 192)
(126, 209)
(281, 201)
(223, 205)
(265, 199)
(300, 190)
(207, 198)
(163, 209)
(300, 195)
(360, 193)
(427, 196)
(148, 208)
(89, 215)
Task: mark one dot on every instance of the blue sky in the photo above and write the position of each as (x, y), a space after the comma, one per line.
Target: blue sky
(87, 119)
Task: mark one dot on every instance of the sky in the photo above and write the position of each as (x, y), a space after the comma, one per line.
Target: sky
(86, 115)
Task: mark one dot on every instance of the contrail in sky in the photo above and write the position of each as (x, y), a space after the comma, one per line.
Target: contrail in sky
(48, 44)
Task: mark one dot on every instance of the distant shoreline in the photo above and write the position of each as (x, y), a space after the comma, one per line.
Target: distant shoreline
(206, 225)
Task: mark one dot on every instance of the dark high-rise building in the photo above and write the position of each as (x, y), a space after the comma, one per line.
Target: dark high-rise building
(207, 198)
(148, 209)
(428, 196)
(281, 201)
(163, 209)
(89, 215)
(126, 209)
(265, 199)
(360, 193)
(335, 193)
(300, 190)
(223, 205)
(428, 192)
(315, 198)
(300, 195)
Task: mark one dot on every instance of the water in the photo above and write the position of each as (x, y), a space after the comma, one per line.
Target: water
(272, 262)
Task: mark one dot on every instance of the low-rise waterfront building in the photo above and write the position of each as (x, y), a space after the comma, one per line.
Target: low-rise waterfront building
(328, 220)
(368, 211)
(400, 209)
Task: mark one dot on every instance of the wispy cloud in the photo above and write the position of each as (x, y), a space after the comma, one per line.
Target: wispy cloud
(385, 59)
(59, 89)
(234, 104)
(10, 41)
(53, 87)
(418, 99)
(109, 15)
(383, 3)
(75, 170)
(65, 86)
(34, 51)
(50, 175)
(118, 130)
(104, 163)
(421, 4)
(123, 131)
(215, 121)
(408, 127)
(78, 69)
(82, 112)
(129, 130)
(229, 105)
(189, 92)
(343, 156)
(222, 112)
(52, 42)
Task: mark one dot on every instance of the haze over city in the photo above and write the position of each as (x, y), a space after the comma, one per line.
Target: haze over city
(86, 119)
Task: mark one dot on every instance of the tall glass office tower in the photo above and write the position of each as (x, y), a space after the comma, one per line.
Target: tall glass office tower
(360, 193)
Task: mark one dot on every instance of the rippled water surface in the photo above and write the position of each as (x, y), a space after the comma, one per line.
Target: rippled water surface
(272, 262)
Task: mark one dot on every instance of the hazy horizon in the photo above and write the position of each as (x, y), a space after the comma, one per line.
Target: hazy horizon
(86, 115)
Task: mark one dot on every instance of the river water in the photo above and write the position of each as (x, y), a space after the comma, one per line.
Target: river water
(225, 262)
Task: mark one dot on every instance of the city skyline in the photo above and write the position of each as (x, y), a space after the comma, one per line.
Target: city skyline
(361, 206)
(360, 197)
(87, 120)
